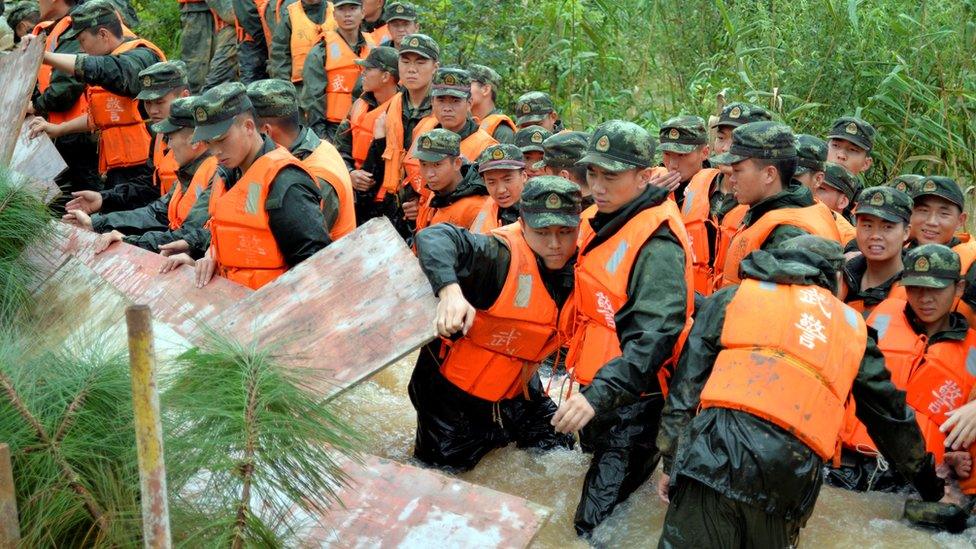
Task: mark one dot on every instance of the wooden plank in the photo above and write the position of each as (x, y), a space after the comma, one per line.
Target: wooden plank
(19, 70)
(347, 312)
(391, 504)
(9, 520)
(39, 161)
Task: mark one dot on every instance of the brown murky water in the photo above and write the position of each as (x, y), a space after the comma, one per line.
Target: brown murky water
(842, 519)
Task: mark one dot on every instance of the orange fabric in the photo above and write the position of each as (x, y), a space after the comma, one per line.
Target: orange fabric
(846, 231)
(508, 340)
(394, 152)
(164, 176)
(816, 220)
(487, 219)
(790, 355)
(44, 73)
(471, 148)
(361, 122)
(728, 228)
(967, 255)
(124, 140)
(341, 72)
(696, 213)
(897, 291)
(934, 377)
(183, 200)
(262, 6)
(304, 35)
(461, 213)
(379, 35)
(602, 276)
(241, 242)
(473, 145)
(326, 164)
(492, 121)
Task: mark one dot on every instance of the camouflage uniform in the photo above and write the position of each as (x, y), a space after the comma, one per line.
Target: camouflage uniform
(534, 107)
(385, 59)
(485, 75)
(682, 135)
(853, 130)
(25, 11)
(530, 139)
(208, 43)
(503, 156)
(811, 154)
(733, 115)
(837, 177)
(906, 183)
(281, 58)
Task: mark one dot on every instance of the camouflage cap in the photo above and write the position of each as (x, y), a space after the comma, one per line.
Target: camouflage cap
(437, 144)
(452, 82)
(531, 138)
(837, 177)
(161, 78)
(273, 98)
(737, 114)
(828, 250)
(214, 111)
(337, 3)
(563, 150)
(931, 266)
(887, 203)
(383, 58)
(854, 130)
(20, 11)
(501, 156)
(943, 187)
(550, 200)
(811, 153)
(618, 146)
(484, 74)
(765, 140)
(93, 14)
(420, 44)
(683, 134)
(533, 107)
(180, 116)
(399, 10)
(906, 183)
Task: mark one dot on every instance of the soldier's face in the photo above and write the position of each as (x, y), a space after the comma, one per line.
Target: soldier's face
(479, 93)
(504, 186)
(401, 27)
(96, 43)
(46, 7)
(614, 190)
(23, 29)
(373, 8)
(723, 139)
(849, 155)
(158, 109)
(832, 198)
(931, 305)
(374, 79)
(880, 239)
(450, 111)
(416, 71)
(348, 17)
(686, 164)
(752, 182)
(935, 220)
(183, 151)
(233, 148)
(531, 158)
(441, 176)
(556, 245)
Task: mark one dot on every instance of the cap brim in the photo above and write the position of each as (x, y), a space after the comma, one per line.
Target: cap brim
(680, 148)
(165, 127)
(401, 17)
(364, 63)
(211, 132)
(530, 118)
(851, 139)
(421, 53)
(800, 170)
(428, 156)
(540, 165)
(451, 93)
(546, 219)
(500, 165)
(532, 148)
(151, 95)
(954, 200)
(881, 213)
(921, 281)
(605, 162)
(726, 159)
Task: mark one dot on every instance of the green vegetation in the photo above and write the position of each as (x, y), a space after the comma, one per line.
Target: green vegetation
(24, 220)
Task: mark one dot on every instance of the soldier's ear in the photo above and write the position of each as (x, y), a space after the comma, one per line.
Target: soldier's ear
(960, 288)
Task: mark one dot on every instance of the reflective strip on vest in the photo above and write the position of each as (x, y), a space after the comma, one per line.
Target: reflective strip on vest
(696, 214)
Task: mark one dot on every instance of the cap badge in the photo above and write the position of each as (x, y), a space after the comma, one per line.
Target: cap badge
(414, 42)
(922, 265)
(497, 154)
(200, 114)
(603, 144)
(536, 137)
(877, 199)
(399, 9)
(553, 202)
(736, 112)
(526, 109)
(673, 134)
(450, 80)
(901, 186)
(146, 81)
(425, 142)
(851, 128)
(929, 186)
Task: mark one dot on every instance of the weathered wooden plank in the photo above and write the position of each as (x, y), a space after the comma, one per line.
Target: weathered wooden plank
(391, 504)
(9, 520)
(39, 161)
(19, 70)
(347, 312)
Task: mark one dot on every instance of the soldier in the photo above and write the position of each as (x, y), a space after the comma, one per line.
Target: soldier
(480, 391)
(485, 83)
(560, 154)
(373, 22)
(253, 39)
(536, 109)
(849, 144)
(743, 457)
(456, 191)
(502, 168)
(298, 27)
(633, 301)
(907, 183)
(23, 17)
(401, 20)
(763, 158)
(838, 191)
(208, 43)
(811, 155)
(276, 104)
(327, 94)
(530, 139)
(6, 32)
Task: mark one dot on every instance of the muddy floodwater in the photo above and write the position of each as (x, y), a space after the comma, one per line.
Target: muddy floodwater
(382, 410)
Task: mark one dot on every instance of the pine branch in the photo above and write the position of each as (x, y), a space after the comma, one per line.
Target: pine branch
(247, 463)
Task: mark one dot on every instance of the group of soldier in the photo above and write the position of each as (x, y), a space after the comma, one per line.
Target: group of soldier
(741, 311)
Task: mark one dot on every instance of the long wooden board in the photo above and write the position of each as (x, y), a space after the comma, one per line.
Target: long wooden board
(19, 71)
(39, 161)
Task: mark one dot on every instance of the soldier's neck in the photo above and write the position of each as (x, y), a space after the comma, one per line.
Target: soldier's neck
(935, 327)
(483, 109)
(350, 36)
(879, 272)
(256, 144)
(418, 95)
(383, 94)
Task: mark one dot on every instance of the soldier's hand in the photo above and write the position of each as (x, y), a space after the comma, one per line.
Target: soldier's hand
(174, 261)
(361, 180)
(379, 127)
(38, 125)
(30, 108)
(663, 484)
(669, 181)
(79, 219)
(86, 201)
(205, 270)
(173, 248)
(27, 40)
(573, 414)
(961, 427)
(105, 240)
(410, 210)
(454, 313)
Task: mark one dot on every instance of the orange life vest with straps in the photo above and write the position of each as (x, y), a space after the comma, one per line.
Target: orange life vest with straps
(727, 229)
(845, 230)
(816, 220)
(492, 121)
(241, 242)
(696, 213)
(602, 276)
(341, 71)
(507, 341)
(936, 378)
(55, 30)
(395, 151)
(487, 219)
(361, 122)
(164, 175)
(124, 140)
(183, 199)
(897, 291)
(471, 148)
(967, 255)
(326, 164)
(789, 355)
(379, 35)
(461, 212)
(305, 34)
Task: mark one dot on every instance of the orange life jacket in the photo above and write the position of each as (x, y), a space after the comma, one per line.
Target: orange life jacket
(789, 355)
(305, 34)
(934, 377)
(602, 276)
(727, 229)
(124, 140)
(183, 199)
(897, 291)
(395, 151)
(507, 341)
(325, 163)
(816, 220)
(487, 219)
(696, 213)
(461, 212)
(361, 122)
(164, 176)
(241, 241)
(492, 121)
(846, 231)
(471, 148)
(80, 106)
(379, 35)
(341, 71)
(967, 255)
(267, 26)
